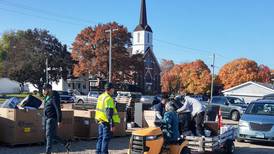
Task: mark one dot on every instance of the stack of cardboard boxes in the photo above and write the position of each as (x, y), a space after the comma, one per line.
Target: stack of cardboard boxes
(86, 127)
(20, 126)
(66, 130)
(84, 124)
(26, 126)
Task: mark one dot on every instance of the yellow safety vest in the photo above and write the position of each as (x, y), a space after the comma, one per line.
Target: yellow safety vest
(105, 101)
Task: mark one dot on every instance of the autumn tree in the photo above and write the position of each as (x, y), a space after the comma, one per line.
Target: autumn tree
(170, 80)
(272, 76)
(91, 52)
(195, 77)
(27, 52)
(166, 65)
(191, 78)
(242, 70)
(264, 74)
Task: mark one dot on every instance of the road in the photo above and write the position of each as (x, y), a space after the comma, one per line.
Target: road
(120, 145)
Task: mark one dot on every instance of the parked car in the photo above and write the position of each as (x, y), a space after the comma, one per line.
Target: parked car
(65, 97)
(202, 98)
(231, 107)
(121, 96)
(150, 99)
(90, 98)
(269, 96)
(257, 123)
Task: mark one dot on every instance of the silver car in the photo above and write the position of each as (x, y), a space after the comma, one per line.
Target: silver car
(257, 123)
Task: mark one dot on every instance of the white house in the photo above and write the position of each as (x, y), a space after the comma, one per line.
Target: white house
(9, 86)
(63, 85)
(250, 91)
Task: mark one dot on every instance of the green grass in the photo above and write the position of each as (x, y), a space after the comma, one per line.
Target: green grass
(22, 95)
(2, 100)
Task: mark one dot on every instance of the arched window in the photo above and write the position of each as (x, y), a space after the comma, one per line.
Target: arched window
(147, 37)
(138, 37)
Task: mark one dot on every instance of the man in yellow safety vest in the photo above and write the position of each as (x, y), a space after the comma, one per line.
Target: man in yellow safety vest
(107, 117)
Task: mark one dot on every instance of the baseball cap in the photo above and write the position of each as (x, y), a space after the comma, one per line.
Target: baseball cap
(108, 86)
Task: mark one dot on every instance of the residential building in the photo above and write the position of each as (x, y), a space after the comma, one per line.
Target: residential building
(250, 91)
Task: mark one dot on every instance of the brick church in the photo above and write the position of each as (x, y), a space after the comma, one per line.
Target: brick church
(143, 44)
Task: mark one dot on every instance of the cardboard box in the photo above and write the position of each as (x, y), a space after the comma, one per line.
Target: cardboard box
(66, 106)
(20, 126)
(149, 118)
(65, 131)
(120, 129)
(84, 124)
(86, 127)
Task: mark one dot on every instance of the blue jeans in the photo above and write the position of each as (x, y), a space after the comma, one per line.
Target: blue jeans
(103, 138)
(50, 125)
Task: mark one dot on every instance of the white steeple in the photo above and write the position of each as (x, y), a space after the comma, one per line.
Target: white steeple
(142, 35)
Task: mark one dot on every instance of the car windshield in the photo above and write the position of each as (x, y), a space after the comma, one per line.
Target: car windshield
(261, 109)
(235, 100)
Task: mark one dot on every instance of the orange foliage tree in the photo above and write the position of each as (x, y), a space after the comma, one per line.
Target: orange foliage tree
(242, 70)
(272, 74)
(170, 80)
(195, 77)
(90, 50)
(191, 78)
(166, 65)
(264, 74)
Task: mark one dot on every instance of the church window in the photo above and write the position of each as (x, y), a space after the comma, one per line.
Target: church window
(148, 38)
(138, 37)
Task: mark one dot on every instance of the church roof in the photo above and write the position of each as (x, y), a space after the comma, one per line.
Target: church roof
(154, 57)
(143, 25)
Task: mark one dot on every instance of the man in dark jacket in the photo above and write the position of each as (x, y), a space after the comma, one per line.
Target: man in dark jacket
(52, 117)
(170, 124)
(160, 110)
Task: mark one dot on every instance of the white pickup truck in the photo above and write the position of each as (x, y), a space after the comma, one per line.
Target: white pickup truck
(90, 98)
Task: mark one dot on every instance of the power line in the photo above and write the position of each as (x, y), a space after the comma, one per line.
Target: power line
(38, 16)
(72, 20)
(194, 50)
(47, 13)
(183, 46)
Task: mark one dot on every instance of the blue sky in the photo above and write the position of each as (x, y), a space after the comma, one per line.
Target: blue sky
(183, 30)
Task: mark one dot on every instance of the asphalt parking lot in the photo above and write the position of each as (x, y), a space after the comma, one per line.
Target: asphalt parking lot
(120, 146)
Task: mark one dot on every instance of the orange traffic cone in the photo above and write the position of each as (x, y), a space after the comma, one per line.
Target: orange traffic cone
(220, 119)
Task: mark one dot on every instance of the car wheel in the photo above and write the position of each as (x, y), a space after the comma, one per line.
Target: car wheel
(229, 147)
(81, 102)
(185, 151)
(240, 140)
(235, 115)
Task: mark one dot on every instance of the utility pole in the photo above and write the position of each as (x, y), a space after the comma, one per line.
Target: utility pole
(47, 73)
(212, 80)
(110, 47)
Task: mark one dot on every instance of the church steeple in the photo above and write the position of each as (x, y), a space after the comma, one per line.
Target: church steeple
(143, 14)
(143, 25)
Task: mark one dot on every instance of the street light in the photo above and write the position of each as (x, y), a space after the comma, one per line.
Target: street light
(110, 46)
